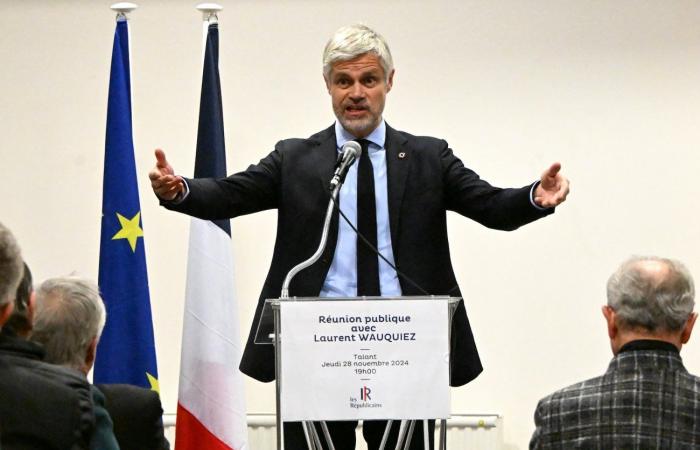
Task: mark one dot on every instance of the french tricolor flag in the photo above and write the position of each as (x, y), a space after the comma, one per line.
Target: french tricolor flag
(211, 411)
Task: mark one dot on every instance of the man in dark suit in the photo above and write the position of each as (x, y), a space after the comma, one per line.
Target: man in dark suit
(414, 181)
(41, 406)
(646, 399)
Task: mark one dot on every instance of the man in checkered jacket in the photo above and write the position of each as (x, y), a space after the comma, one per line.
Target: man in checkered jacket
(646, 399)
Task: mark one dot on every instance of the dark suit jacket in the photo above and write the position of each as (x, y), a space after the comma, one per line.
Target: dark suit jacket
(137, 416)
(423, 184)
(645, 400)
(103, 438)
(42, 406)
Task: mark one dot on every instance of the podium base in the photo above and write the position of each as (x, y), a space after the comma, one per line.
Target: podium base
(403, 441)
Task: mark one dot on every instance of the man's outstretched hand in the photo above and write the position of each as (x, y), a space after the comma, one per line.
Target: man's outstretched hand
(164, 182)
(553, 187)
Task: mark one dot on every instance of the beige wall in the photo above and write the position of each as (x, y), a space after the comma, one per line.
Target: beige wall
(609, 88)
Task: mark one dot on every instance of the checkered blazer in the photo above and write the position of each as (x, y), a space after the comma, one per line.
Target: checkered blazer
(645, 400)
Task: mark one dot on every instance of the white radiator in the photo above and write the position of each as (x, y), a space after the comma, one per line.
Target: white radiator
(464, 432)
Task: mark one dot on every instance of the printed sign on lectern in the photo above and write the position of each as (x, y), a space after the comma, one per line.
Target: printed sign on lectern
(365, 359)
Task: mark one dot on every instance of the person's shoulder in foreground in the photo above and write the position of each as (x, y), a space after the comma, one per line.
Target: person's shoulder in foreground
(137, 416)
(41, 406)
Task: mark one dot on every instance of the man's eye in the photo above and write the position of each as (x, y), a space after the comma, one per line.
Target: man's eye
(343, 82)
(370, 81)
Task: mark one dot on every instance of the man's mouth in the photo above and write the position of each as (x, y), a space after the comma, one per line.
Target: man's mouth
(355, 110)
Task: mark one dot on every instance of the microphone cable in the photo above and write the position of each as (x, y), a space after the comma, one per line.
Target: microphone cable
(403, 276)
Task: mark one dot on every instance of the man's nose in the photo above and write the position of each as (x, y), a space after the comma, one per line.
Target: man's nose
(357, 92)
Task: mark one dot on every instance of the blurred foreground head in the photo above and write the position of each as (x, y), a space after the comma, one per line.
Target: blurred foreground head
(21, 320)
(10, 271)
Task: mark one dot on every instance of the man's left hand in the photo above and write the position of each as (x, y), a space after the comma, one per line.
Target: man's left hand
(553, 188)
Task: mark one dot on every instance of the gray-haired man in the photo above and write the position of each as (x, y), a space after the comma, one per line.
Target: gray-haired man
(398, 193)
(69, 319)
(646, 399)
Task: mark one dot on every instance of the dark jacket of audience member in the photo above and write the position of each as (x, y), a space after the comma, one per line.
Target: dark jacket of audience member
(103, 438)
(42, 406)
(137, 415)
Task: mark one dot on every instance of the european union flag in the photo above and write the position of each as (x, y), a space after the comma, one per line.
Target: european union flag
(126, 352)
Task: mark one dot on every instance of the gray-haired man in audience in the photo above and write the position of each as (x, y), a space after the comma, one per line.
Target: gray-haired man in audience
(69, 319)
(646, 399)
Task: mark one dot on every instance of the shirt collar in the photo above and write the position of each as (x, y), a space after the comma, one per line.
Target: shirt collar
(648, 344)
(376, 137)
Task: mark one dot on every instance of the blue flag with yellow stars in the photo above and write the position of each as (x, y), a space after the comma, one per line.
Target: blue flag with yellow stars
(126, 352)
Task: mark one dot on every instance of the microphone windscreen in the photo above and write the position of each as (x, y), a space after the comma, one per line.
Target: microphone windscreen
(353, 147)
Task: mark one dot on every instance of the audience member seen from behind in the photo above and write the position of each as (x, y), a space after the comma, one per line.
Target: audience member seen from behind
(137, 415)
(646, 399)
(69, 319)
(68, 322)
(20, 321)
(43, 406)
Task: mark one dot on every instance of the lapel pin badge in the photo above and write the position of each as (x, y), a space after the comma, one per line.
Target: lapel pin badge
(402, 155)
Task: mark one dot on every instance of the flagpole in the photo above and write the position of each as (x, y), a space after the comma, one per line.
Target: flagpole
(209, 12)
(209, 16)
(123, 9)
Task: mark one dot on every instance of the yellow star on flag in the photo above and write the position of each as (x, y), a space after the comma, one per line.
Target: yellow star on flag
(130, 231)
(155, 385)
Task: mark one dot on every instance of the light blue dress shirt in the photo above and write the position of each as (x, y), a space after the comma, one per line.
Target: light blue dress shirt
(341, 280)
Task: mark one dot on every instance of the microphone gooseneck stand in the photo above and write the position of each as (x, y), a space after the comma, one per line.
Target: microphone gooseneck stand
(321, 246)
(312, 438)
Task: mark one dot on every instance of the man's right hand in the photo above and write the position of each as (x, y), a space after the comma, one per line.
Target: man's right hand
(166, 185)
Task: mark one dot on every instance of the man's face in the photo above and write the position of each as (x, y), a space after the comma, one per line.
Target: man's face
(358, 91)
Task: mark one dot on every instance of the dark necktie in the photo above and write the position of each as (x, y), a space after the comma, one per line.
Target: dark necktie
(367, 262)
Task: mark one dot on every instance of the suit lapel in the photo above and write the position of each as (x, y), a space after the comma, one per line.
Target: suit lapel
(327, 156)
(398, 160)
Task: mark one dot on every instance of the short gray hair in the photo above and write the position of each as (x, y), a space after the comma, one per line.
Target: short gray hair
(356, 40)
(11, 265)
(69, 314)
(652, 300)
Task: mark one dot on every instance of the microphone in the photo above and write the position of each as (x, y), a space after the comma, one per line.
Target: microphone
(350, 152)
